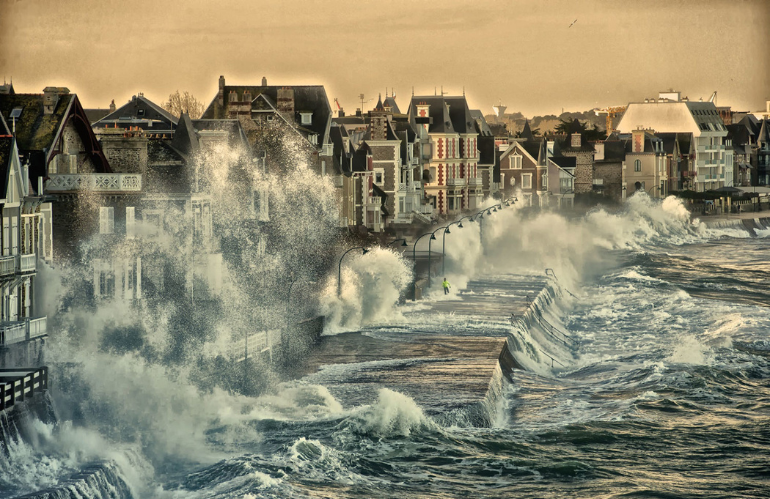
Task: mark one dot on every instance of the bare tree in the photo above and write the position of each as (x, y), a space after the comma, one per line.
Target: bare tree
(184, 103)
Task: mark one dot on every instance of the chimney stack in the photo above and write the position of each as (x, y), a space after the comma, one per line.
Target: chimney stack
(51, 98)
(221, 94)
(576, 140)
(112, 106)
(264, 81)
(285, 103)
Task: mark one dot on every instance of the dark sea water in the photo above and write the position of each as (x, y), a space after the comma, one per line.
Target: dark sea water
(668, 396)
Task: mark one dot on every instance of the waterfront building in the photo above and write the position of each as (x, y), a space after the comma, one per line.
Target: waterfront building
(23, 328)
(451, 175)
(646, 165)
(713, 162)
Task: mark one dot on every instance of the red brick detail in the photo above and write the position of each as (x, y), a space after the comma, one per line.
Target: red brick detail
(440, 148)
(462, 171)
(422, 112)
(462, 199)
(441, 201)
(440, 174)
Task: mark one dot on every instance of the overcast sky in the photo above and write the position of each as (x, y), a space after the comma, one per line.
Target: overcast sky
(521, 52)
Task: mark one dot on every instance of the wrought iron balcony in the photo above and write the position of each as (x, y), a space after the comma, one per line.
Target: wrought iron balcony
(27, 263)
(7, 265)
(98, 182)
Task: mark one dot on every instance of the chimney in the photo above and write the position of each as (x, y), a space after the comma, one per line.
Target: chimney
(264, 81)
(637, 142)
(112, 106)
(285, 102)
(576, 140)
(51, 98)
(341, 113)
(221, 94)
(247, 96)
(358, 112)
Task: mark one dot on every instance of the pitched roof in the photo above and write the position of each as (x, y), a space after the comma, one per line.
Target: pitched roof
(526, 133)
(565, 162)
(482, 128)
(140, 110)
(614, 151)
(391, 103)
(763, 135)
(448, 114)
(310, 98)
(379, 106)
(35, 131)
(95, 115)
(4, 128)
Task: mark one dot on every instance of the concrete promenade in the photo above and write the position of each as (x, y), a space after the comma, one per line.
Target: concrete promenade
(443, 353)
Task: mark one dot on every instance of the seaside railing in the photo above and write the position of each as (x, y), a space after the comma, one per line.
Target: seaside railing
(19, 384)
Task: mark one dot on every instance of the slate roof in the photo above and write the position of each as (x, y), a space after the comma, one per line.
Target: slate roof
(342, 154)
(565, 162)
(739, 134)
(526, 133)
(306, 98)
(236, 135)
(35, 131)
(391, 103)
(139, 109)
(4, 128)
(449, 114)
(764, 134)
(95, 115)
(482, 128)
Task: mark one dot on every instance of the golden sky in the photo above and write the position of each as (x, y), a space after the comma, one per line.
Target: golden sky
(521, 52)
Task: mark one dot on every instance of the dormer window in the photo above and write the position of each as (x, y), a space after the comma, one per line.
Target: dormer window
(306, 118)
(313, 138)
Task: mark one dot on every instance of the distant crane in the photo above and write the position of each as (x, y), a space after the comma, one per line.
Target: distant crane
(339, 108)
(611, 112)
(713, 98)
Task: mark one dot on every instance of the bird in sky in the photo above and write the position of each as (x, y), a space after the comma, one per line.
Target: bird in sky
(573, 22)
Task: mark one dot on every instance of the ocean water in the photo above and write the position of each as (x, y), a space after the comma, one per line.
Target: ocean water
(668, 394)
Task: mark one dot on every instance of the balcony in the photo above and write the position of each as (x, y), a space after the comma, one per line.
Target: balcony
(24, 330)
(475, 182)
(97, 182)
(455, 182)
(7, 265)
(27, 263)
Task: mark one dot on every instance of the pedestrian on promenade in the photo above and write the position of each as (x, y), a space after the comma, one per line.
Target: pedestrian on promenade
(446, 286)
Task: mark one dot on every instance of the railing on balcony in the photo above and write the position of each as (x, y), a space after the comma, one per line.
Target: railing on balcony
(27, 263)
(475, 181)
(102, 182)
(7, 265)
(426, 209)
(18, 331)
(457, 182)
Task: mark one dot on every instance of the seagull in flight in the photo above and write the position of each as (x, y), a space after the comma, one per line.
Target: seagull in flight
(573, 22)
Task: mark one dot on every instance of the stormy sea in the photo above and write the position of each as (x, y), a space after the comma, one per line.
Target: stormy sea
(665, 391)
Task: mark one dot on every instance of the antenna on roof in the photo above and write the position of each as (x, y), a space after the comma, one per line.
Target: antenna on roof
(412, 90)
(463, 90)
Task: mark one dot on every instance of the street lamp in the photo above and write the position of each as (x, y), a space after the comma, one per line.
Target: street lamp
(433, 238)
(414, 259)
(397, 240)
(339, 270)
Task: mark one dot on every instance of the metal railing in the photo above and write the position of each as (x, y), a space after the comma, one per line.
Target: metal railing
(8, 265)
(24, 330)
(475, 181)
(18, 384)
(108, 182)
(458, 182)
(27, 263)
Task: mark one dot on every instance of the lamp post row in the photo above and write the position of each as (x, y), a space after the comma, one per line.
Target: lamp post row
(445, 228)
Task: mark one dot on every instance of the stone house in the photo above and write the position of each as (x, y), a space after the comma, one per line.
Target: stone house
(608, 167)
(646, 166)
(575, 145)
(451, 176)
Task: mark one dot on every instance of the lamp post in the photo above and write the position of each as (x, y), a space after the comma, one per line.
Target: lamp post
(433, 238)
(414, 259)
(339, 269)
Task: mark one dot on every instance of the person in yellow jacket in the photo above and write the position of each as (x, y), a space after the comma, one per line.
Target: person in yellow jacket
(446, 286)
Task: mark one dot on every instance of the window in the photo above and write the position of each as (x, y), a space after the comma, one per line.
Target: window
(565, 185)
(140, 112)
(306, 118)
(516, 162)
(526, 181)
(106, 220)
(379, 177)
(323, 167)
(637, 165)
(6, 236)
(544, 180)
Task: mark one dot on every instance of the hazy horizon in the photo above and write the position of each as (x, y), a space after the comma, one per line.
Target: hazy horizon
(525, 55)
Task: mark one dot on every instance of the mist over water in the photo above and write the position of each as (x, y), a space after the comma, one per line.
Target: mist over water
(671, 377)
